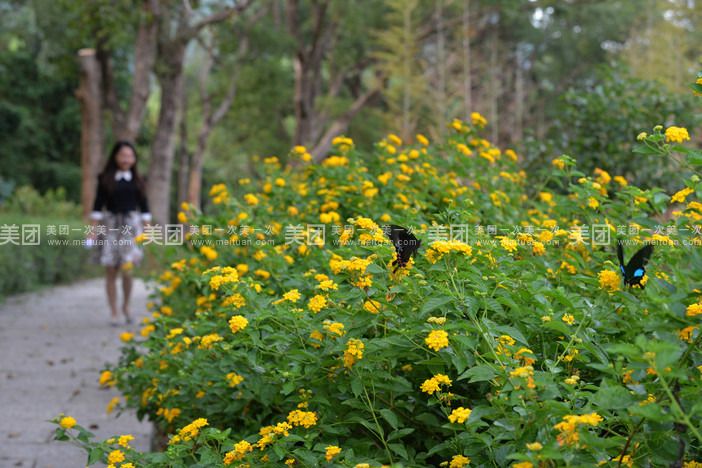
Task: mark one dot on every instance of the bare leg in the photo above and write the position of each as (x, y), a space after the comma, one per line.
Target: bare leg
(111, 286)
(127, 290)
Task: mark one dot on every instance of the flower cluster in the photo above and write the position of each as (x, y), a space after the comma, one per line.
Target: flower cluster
(459, 415)
(433, 385)
(237, 323)
(438, 249)
(568, 428)
(305, 419)
(676, 134)
(610, 280)
(437, 340)
(189, 432)
(353, 352)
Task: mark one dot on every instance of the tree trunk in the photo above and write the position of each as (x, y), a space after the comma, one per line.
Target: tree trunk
(340, 124)
(211, 119)
(195, 179)
(494, 86)
(144, 59)
(519, 97)
(407, 71)
(541, 119)
(89, 95)
(307, 68)
(170, 77)
(183, 153)
(301, 98)
(126, 123)
(467, 77)
(441, 67)
(175, 31)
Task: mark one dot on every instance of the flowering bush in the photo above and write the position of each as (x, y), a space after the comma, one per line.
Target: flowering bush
(508, 339)
(598, 120)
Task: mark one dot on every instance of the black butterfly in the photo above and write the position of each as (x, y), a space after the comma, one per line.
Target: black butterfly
(634, 271)
(405, 245)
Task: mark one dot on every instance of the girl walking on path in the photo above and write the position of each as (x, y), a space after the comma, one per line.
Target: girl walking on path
(122, 191)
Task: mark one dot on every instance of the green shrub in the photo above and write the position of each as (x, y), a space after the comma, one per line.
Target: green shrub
(24, 267)
(518, 347)
(598, 121)
(53, 203)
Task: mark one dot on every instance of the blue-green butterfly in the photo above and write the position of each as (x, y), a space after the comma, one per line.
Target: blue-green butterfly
(634, 271)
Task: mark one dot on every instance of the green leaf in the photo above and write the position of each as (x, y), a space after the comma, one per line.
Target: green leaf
(95, 455)
(306, 456)
(399, 449)
(660, 198)
(279, 450)
(391, 418)
(559, 326)
(666, 353)
(612, 398)
(438, 448)
(513, 332)
(400, 433)
(644, 149)
(288, 388)
(378, 430)
(356, 387)
(506, 299)
(629, 350)
(428, 418)
(376, 269)
(596, 351)
(681, 149)
(480, 373)
(652, 411)
(84, 435)
(461, 361)
(434, 303)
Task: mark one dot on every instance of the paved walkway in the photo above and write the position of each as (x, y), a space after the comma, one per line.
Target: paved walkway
(53, 344)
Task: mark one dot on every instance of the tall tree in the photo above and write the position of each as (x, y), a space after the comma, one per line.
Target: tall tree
(212, 111)
(441, 65)
(467, 73)
(39, 114)
(495, 75)
(398, 54)
(664, 42)
(328, 65)
(127, 120)
(177, 27)
(88, 95)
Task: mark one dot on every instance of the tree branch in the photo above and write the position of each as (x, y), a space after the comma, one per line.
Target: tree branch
(341, 123)
(291, 17)
(319, 17)
(338, 80)
(109, 94)
(220, 16)
(144, 60)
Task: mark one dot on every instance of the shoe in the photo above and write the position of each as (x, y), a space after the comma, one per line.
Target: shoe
(114, 322)
(128, 319)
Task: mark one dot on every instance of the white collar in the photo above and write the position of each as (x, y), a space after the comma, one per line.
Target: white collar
(126, 175)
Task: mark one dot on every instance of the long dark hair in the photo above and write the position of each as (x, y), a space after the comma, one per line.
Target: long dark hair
(107, 176)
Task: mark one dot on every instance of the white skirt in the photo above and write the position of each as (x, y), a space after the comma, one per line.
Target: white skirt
(118, 244)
